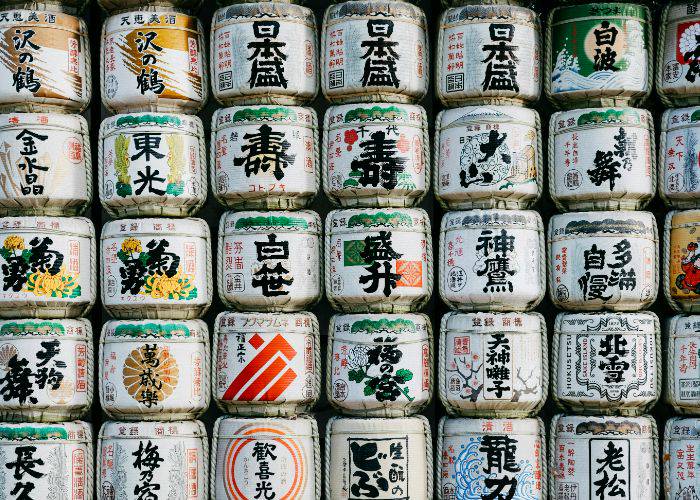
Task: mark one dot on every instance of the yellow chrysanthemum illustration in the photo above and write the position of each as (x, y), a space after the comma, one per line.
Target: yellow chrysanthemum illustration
(131, 245)
(150, 374)
(179, 286)
(61, 284)
(14, 243)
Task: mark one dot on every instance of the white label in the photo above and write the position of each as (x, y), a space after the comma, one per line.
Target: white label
(681, 470)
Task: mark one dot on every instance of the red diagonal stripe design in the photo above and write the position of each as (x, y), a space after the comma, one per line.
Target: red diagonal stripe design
(278, 387)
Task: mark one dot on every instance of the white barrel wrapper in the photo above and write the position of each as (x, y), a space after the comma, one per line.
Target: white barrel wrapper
(46, 65)
(489, 54)
(681, 441)
(488, 157)
(682, 381)
(603, 260)
(492, 260)
(167, 459)
(606, 363)
(154, 369)
(265, 157)
(156, 268)
(374, 51)
(264, 53)
(48, 267)
(603, 454)
(379, 364)
(378, 457)
(266, 364)
(46, 164)
(679, 158)
(493, 364)
(677, 71)
(152, 164)
(46, 369)
(279, 456)
(378, 260)
(376, 155)
(602, 159)
(153, 60)
(465, 462)
(46, 460)
(269, 261)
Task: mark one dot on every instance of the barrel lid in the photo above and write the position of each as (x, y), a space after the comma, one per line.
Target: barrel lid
(381, 113)
(384, 8)
(74, 226)
(265, 113)
(607, 322)
(79, 328)
(469, 115)
(152, 19)
(171, 227)
(152, 430)
(382, 426)
(679, 428)
(480, 219)
(163, 121)
(73, 122)
(249, 10)
(119, 331)
(282, 221)
(491, 13)
(76, 431)
(365, 328)
(377, 219)
(567, 121)
(574, 426)
(621, 222)
(600, 10)
(304, 323)
(273, 427)
(488, 322)
(458, 427)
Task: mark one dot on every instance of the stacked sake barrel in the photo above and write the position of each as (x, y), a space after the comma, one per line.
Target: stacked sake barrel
(493, 367)
(156, 277)
(378, 250)
(266, 366)
(603, 252)
(47, 257)
(678, 87)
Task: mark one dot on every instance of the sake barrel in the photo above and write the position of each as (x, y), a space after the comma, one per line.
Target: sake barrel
(679, 186)
(46, 369)
(47, 62)
(154, 369)
(678, 56)
(46, 165)
(614, 261)
(264, 53)
(378, 260)
(498, 458)
(378, 457)
(598, 54)
(493, 364)
(379, 364)
(152, 164)
(45, 460)
(682, 382)
(602, 159)
(115, 5)
(488, 157)
(279, 457)
(265, 157)
(153, 458)
(156, 268)
(609, 456)
(374, 51)
(607, 363)
(266, 364)
(492, 260)
(257, 271)
(489, 54)
(153, 60)
(48, 267)
(376, 155)
(681, 440)
(679, 267)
